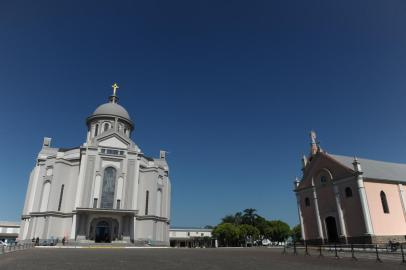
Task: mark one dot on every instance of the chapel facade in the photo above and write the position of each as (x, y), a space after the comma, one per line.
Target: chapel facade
(105, 191)
(344, 199)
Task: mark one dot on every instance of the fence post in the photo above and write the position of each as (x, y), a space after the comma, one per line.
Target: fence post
(335, 251)
(320, 252)
(403, 253)
(307, 250)
(353, 253)
(377, 254)
(294, 248)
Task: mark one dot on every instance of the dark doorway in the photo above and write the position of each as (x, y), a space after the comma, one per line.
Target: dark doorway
(103, 232)
(332, 233)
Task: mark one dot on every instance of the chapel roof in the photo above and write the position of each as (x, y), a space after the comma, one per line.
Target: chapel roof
(375, 169)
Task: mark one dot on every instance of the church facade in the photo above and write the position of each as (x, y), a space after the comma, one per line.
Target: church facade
(350, 200)
(106, 190)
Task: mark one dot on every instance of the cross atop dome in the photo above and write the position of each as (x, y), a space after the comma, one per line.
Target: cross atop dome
(115, 87)
(114, 98)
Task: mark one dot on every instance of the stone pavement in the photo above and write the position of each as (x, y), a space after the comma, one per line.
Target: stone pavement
(179, 259)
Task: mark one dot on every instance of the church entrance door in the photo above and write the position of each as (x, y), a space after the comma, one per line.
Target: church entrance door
(103, 232)
(332, 233)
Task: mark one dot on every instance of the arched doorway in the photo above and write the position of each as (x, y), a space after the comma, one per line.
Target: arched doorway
(103, 232)
(332, 232)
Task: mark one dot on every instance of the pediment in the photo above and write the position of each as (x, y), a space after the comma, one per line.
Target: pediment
(114, 141)
(324, 162)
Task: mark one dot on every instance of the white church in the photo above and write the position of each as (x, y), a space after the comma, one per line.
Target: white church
(105, 191)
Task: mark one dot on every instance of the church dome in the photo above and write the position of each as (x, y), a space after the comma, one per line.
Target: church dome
(105, 114)
(112, 109)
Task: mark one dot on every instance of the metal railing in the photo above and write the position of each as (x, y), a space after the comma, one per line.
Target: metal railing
(15, 247)
(379, 253)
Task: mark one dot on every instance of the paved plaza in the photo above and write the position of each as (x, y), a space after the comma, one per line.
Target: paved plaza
(179, 259)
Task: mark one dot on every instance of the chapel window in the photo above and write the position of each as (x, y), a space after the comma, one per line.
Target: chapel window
(384, 202)
(96, 130)
(307, 202)
(106, 126)
(348, 192)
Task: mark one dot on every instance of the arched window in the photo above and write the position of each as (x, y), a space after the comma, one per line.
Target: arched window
(384, 202)
(146, 202)
(45, 197)
(96, 130)
(106, 126)
(159, 203)
(109, 185)
(60, 198)
(307, 202)
(323, 179)
(348, 192)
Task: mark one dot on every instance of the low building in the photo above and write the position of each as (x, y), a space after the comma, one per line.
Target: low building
(191, 237)
(9, 231)
(350, 200)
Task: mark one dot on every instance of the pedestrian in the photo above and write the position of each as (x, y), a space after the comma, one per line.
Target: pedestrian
(63, 241)
(37, 241)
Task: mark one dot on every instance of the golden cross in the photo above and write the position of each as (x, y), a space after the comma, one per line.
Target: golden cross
(115, 87)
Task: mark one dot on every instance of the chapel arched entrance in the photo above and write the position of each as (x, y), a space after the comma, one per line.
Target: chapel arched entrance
(332, 232)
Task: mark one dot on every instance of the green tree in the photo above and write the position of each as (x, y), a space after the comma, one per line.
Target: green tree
(228, 219)
(296, 233)
(227, 234)
(238, 218)
(277, 230)
(248, 233)
(249, 216)
(261, 224)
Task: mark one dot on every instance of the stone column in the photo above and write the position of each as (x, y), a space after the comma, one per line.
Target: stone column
(343, 230)
(317, 212)
(363, 198)
(299, 209)
(135, 186)
(80, 184)
(73, 228)
(134, 228)
(402, 199)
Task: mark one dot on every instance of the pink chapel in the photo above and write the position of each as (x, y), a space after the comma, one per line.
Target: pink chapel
(344, 199)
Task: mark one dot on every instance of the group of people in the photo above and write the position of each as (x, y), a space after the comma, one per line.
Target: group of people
(52, 242)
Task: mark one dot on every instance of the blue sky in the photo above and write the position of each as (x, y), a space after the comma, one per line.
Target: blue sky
(230, 88)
